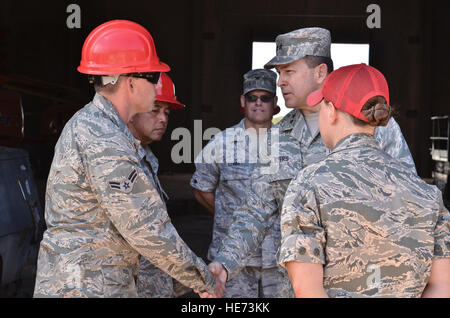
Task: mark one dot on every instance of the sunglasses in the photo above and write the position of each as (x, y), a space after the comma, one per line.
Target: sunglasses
(152, 77)
(264, 98)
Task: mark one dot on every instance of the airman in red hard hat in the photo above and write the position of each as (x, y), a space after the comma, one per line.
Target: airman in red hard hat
(151, 126)
(103, 208)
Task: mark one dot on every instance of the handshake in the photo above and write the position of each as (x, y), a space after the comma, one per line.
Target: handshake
(221, 274)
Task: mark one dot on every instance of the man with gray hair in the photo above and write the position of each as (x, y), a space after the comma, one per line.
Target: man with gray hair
(303, 61)
(221, 183)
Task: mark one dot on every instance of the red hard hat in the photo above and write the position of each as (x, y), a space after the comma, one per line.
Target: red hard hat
(167, 92)
(120, 47)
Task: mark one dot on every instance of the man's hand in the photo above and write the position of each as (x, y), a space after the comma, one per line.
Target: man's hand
(221, 274)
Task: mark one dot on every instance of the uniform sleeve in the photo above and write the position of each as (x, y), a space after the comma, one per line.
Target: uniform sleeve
(303, 238)
(442, 232)
(207, 172)
(249, 226)
(136, 210)
(393, 143)
(153, 282)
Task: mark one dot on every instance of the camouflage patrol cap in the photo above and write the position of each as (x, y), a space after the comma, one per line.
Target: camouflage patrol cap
(297, 44)
(260, 79)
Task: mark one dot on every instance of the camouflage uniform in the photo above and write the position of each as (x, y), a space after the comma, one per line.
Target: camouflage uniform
(102, 211)
(297, 149)
(372, 222)
(229, 179)
(151, 281)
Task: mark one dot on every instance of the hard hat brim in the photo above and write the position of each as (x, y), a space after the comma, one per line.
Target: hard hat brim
(174, 105)
(160, 67)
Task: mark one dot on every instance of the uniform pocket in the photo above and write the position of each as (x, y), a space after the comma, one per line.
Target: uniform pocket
(118, 282)
(231, 193)
(234, 184)
(235, 171)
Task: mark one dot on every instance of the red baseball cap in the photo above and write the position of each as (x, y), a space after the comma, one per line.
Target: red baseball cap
(350, 87)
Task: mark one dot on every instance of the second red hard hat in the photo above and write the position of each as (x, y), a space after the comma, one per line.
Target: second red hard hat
(167, 92)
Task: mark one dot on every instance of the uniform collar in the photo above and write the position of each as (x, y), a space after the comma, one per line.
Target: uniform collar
(240, 131)
(359, 140)
(106, 106)
(151, 158)
(296, 123)
(236, 132)
(154, 164)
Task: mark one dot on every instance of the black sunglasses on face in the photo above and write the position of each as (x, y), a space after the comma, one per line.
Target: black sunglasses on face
(263, 98)
(152, 77)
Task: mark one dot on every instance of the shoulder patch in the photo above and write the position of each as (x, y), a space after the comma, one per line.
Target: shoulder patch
(125, 184)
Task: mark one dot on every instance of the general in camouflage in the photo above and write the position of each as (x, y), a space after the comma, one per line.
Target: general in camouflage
(260, 79)
(371, 221)
(264, 198)
(229, 178)
(95, 233)
(297, 44)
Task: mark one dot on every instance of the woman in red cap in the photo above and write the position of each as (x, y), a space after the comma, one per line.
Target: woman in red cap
(360, 223)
